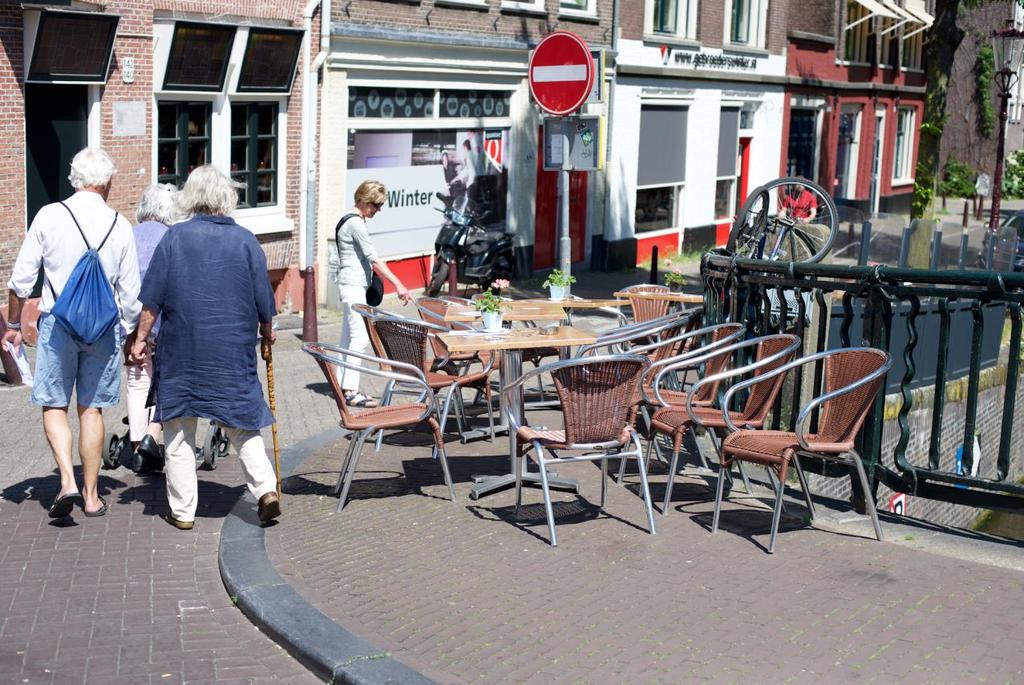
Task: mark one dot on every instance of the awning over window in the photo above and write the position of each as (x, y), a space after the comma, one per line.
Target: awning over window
(875, 8)
(903, 17)
(70, 47)
(198, 58)
(916, 9)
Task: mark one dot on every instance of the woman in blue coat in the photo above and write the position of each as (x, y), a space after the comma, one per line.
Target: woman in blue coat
(208, 282)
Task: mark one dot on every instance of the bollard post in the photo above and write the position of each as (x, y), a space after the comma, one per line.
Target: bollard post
(654, 265)
(962, 262)
(981, 207)
(966, 215)
(309, 326)
(904, 247)
(453, 279)
(933, 264)
(865, 243)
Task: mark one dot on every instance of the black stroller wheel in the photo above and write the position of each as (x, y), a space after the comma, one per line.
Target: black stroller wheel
(112, 455)
(222, 443)
(210, 450)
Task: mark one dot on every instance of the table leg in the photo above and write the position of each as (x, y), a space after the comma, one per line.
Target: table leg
(511, 370)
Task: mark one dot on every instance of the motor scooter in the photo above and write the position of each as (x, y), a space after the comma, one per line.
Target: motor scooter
(480, 255)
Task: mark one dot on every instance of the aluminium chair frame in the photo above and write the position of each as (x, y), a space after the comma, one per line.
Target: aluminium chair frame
(409, 375)
(848, 458)
(713, 380)
(606, 450)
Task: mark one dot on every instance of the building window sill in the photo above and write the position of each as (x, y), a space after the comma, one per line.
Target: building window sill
(464, 4)
(579, 16)
(523, 8)
(745, 49)
(902, 182)
(264, 220)
(670, 39)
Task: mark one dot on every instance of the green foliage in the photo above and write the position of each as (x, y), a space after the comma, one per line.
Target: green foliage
(674, 278)
(488, 302)
(984, 72)
(1013, 175)
(559, 279)
(924, 190)
(957, 180)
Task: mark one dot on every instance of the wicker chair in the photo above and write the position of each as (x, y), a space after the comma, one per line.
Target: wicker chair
(596, 394)
(852, 378)
(366, 422)
(646, 308)
(674, 421)
(406, 340)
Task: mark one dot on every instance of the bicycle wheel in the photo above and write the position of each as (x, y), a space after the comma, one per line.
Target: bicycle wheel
(788, 219)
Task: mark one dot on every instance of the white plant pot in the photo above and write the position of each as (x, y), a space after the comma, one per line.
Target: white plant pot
(492, 321)
(558, 292)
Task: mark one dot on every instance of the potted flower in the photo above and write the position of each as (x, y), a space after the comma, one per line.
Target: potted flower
(490, 305)
(675, 280)
(558, 284)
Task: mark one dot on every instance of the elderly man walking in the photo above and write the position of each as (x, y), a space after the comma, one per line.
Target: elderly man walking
(208, 282)
(57, 239)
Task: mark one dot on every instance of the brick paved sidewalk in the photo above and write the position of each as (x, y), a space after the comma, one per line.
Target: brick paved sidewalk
(464, 594)
(126, 598)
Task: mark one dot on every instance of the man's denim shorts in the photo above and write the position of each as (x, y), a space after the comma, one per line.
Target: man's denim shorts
(63, 364)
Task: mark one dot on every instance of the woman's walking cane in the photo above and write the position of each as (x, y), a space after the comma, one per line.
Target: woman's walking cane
(268, 356)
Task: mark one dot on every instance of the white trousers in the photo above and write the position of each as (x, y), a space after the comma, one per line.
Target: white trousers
(353, 333)
(180, 465)
(136, 393)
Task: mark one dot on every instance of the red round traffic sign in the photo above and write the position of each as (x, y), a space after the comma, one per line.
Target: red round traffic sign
(561, 73)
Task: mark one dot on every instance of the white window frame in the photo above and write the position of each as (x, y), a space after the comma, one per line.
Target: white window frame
(686, 21)
(758, 25)
(853, 161)
(532, 6)
(589, 10)
(677, 223)
(860, 32)
(907, 175)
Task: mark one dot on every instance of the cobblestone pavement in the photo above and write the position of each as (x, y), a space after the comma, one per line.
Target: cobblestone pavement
(126, 598)
(464, 594)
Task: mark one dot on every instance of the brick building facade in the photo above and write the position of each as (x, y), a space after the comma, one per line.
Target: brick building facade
(855, 100)
(136, 108)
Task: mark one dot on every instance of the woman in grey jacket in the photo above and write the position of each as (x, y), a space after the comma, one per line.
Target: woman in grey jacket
(357, 259)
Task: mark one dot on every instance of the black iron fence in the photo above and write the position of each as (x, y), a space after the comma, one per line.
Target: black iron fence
(939, 326)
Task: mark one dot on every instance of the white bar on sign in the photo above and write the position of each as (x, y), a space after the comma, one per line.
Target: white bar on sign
(565, 72)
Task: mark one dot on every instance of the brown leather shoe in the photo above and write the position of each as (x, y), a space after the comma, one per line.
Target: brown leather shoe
(178, 523)
(269, 507)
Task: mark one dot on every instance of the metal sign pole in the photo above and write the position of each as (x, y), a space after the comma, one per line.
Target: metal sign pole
(564, 240)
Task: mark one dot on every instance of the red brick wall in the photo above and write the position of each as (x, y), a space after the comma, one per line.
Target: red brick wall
(12, 132)
(710, 22)
(492, 20)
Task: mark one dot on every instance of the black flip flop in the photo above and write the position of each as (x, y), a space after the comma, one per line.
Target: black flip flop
(64, 505)
(99, 512)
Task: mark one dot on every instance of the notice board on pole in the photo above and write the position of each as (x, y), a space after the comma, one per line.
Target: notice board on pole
(575, 143)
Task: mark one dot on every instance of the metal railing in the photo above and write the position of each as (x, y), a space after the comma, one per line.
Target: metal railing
(831, 306)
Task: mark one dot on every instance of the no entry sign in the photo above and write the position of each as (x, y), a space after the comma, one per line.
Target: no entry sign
(561, 73)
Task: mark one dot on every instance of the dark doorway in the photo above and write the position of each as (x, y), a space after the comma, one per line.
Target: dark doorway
(55, 129)
(803, 138)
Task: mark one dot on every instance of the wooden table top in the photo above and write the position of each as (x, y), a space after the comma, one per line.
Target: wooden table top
(670, 296)
(515, 339)
(581, 302)
(515, 310)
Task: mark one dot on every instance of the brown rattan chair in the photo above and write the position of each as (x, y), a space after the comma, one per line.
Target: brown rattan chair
(408, 340)
(674, 421)
(852, 378)
(365, 422)
(646, 308)
(595, 395)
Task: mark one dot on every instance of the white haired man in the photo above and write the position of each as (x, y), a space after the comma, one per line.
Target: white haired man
(208, 283)
(56, 240)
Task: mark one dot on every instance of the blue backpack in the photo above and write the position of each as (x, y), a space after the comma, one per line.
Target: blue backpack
(86, 307)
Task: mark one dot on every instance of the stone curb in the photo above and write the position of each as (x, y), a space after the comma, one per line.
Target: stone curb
(308, 634)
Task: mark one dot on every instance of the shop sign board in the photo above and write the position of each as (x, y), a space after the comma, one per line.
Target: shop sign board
(561, 73)
(575, 143)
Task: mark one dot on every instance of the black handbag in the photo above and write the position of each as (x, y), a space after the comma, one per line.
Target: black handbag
(375, 291)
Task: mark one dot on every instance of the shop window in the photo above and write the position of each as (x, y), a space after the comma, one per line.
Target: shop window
(183, 140)
(269, 62)
(676, 18)
(662, 167)
(802, 149)
(390, 103)
(254, 152)
(468, 167)
(745, 22)
(72, 46)
(901, 168)
(472, 103)
(728, 146)
(198, 58)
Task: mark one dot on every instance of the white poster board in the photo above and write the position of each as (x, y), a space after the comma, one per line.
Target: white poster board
(409, 222)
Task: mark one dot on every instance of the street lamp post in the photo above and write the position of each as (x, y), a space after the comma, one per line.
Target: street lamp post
(1006, 44)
